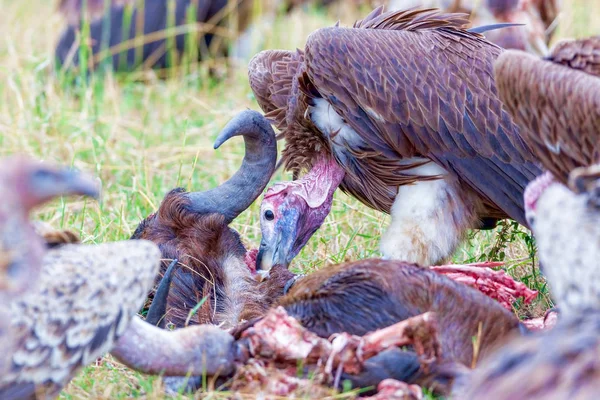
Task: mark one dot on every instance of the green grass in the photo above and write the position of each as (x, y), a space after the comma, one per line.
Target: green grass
(143, 136)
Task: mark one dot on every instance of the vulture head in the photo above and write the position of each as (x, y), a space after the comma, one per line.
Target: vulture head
(28, 183)
(291, 212)
(35, 182)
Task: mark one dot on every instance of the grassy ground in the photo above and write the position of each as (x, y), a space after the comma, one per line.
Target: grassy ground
(144, 138)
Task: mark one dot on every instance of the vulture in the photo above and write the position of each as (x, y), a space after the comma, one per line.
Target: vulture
(85, 300)
(561, 363)
(557, 102)
(26, 184)
(123, 20)
(402, 112)
(192, 228)
(538, 17)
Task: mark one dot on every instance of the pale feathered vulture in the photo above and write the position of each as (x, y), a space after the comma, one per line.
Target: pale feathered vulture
(26, 184)
(401, 111)
(562, 363)
(557, 102)
(559, 107)
(85, 300)
(539, 19)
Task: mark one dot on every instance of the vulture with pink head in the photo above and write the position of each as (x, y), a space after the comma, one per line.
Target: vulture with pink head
(402, 112)
(557, 101)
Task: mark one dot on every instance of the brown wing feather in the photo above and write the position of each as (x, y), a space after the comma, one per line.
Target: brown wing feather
(583, 54)
(271, 74)
(425, 88)
(558, 108)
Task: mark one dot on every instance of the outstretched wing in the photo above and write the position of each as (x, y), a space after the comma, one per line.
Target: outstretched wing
(557, 106)
(416, 83)
(85, 300)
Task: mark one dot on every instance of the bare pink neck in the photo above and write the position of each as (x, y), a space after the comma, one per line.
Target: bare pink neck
(323, 179)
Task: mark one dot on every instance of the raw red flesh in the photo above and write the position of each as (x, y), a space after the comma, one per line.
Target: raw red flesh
(496, 284)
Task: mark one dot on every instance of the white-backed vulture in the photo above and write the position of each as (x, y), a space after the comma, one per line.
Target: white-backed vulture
(558, 107)
(558, 104)
(85, 300)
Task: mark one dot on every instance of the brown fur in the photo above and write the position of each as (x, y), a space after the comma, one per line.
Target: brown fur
(205, 247)
(363, 296)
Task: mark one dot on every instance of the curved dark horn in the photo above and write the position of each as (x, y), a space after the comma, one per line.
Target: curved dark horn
(158, 308)
(236, 195)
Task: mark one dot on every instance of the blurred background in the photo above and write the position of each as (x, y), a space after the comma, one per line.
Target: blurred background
(146, 131)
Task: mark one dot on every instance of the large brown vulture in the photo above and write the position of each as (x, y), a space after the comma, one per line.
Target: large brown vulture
(401, 111)
(557, 102)
(123, 20)
(539, 19)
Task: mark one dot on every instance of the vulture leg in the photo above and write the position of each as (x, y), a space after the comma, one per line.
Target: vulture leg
(196, 350)
(429, 219)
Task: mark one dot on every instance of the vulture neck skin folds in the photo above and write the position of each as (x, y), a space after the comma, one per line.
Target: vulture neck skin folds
(292, 211)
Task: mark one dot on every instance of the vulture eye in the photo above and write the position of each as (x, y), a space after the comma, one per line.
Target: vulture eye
(269, 215)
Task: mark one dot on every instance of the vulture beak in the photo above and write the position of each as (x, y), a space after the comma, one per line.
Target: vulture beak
(46, 183)
(277, 246)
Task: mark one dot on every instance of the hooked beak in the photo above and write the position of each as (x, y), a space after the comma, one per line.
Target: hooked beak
(277, 245)
(63, 182)
(78, 183)
(270, 255)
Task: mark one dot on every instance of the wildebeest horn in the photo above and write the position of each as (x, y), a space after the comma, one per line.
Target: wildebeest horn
(236, 195)
(158, 308)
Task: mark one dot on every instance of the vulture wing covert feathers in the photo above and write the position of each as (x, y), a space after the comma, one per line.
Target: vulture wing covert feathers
(86, 298)
(541, 93)
(410, 84)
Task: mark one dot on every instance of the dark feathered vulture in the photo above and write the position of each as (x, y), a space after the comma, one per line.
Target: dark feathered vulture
(401, 111)
(116, 26)
(559, 109)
